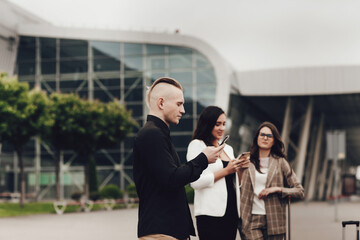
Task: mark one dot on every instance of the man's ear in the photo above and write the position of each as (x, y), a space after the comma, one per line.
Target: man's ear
(160, 103)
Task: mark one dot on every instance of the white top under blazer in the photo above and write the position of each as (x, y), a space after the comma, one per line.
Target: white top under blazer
(211, 197)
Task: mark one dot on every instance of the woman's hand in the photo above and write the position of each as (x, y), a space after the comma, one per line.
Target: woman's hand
(233, 166)
(244, 163)
(265, 192)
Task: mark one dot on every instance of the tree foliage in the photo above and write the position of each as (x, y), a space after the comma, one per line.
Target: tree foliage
(23, 114)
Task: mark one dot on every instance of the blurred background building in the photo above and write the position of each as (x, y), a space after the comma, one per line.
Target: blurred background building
(304, 102)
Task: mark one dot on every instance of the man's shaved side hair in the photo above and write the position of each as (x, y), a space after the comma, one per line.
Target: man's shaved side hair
(167, 80)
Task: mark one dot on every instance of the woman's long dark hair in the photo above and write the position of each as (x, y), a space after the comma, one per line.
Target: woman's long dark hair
(277, 150)
(206, 123)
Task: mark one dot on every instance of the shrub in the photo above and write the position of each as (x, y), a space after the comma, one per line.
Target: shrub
(131, 190)
(94, 196)
(76, 195)
(189, 194)
(111, 191)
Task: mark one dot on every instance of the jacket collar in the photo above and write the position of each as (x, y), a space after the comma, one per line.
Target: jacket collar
(159, 123)
(272, 167)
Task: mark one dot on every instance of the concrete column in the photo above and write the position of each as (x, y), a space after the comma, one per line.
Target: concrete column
(61, 175)
(37, 165)
(37, 64)
(16, 173)
(57, 76)
(322, 178)
(304, 138)
(90, 73)
(330, 181)
(285, 133)
(315, 166)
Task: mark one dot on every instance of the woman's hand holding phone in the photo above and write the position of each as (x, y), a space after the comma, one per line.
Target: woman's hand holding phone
(244, 159)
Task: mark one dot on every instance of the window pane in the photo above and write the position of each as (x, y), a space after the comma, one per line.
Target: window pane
(206, 91)
(134, 94)
(106, 64)
(26, 68)
(185, 124)
(180, 61)
(48, 66)
(133, 63)
(156, 62)
(155, 49)
(48, 48)
(133, 81)
(106, 49)
(132, 49)
(182, 77)
(136, 109)
(205, 76)
(201, 61)
(174, 49)
(181, 141)
(73, 48)
(73, 66)
(26, 49)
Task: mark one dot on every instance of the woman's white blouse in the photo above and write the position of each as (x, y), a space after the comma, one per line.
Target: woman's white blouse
(211, 197)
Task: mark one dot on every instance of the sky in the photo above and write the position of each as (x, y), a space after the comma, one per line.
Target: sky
(249, 34)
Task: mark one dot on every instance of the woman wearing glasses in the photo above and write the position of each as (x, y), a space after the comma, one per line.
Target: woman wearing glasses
(263, 193)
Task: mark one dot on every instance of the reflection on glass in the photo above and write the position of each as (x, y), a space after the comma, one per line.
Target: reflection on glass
(26, 68)
(73, 48)
(106, 49)
(137, 109)
(179, 61)
(205, 76)
(182, 77)
(152, 49)
(201, 61)
(48, 67)
(48, 48)
(73, 66)
(133, 63)
(182, 50)
(134, 94)
(26, 49)
(155, 62)
(106, 64)
(131, 49)
(185, 124)
(206, 91)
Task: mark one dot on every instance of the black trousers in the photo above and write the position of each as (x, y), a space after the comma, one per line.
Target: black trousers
(217, 228)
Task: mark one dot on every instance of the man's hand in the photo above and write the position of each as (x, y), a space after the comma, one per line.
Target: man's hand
(212, 153)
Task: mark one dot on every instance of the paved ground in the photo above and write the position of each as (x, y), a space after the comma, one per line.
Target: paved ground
(309, 221)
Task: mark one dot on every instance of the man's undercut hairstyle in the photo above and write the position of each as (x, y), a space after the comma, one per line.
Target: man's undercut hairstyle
(167, 80)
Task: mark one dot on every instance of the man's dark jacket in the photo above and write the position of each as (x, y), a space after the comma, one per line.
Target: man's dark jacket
(160, 179)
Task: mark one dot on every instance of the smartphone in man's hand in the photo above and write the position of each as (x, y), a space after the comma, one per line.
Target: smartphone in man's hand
(225, 139)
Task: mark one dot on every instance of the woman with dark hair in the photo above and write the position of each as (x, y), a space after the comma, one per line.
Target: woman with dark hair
(217, 195)
(263, 191)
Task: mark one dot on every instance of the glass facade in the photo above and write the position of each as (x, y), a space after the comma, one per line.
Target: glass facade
(104, 71)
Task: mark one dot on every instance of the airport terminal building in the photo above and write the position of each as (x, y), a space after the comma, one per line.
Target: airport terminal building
(110, 65)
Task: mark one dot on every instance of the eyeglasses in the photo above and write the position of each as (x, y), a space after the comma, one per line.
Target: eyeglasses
(263, 135)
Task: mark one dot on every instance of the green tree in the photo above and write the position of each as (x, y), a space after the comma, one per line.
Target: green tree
(64, 110)
(99, 125)
(23, 115)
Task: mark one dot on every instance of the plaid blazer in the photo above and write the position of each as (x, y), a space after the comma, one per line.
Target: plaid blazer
(275, 204)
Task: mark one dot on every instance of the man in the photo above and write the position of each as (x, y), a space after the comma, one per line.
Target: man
(159, 177)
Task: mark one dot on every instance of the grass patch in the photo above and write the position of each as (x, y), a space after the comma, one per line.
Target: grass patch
(14, 209)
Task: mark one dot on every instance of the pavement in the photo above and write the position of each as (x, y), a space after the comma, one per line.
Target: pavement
(313, 220)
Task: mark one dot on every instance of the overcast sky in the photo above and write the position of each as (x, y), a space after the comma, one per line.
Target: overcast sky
(250, 35)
